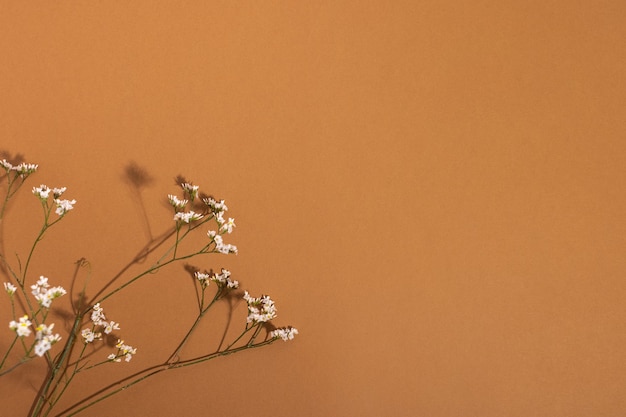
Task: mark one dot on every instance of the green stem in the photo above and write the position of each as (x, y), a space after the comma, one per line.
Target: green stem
(7, 354)
(255, 334)
(104, 397)
(150, 270)
(143, 253)
(32, 251)
(159, 264)
(193, 327)
(9, 194)
(180, 238)
(246, 330)
(43, 395)
(227, 352)
(67, 382)
(46, 212)
(157, 370)
(177, 240)
(21, 362)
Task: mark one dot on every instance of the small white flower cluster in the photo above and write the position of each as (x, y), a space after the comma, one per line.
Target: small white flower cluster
(222, 280)
(89, 335)
(260, 309)
(23, 169)
(45, 339)
(217, 208)
(43, 293)
(226, 226)
(99, 320)
(220, 246)
(21, 327)
(187, 216)
(285, 333)
(191, 190)
(43, 336)
(63, 206)
(10, 288)
(180, 204)
(176, 202)
(124, 350)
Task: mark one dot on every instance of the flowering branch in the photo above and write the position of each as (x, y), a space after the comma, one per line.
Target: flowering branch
(90, 324)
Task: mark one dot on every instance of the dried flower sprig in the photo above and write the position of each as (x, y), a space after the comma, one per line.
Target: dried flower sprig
(90, 325)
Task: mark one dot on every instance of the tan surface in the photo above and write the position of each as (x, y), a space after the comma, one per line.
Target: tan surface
(433, 194)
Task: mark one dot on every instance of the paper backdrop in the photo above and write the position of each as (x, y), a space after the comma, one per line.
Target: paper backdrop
(432, 193)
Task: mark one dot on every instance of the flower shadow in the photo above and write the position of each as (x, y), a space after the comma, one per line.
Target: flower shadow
(138, 178)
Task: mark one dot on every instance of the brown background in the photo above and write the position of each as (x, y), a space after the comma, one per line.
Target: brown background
(431, 191)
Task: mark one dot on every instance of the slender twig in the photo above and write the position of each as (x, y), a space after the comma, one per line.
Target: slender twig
(42, 396)
(146, 272)
(7, 355)
(154, 370)
(63, 368)
(193, 327)
(143, 253)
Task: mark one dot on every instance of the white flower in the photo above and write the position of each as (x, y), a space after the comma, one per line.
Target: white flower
(43, 330)
(6, 165)
(99, 320)
(44, 294)
(22, 328)
(46, 298)
(63, 206)
(216, 207)
(220, 246)
(109, 327)
(40, 288)
(176, 202)
(57, 192)
(25, 169)
(97, 315)
(10, 288)
(43, 191)
(190, 189)
(57, 292)
(45, 339)
(285, 333)
(223, 279)
(228, 226)
(89, 335)
(42, 347)
(42, 281)
(187, 217)
(260, 309)
(124, 350)
(204, 278)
